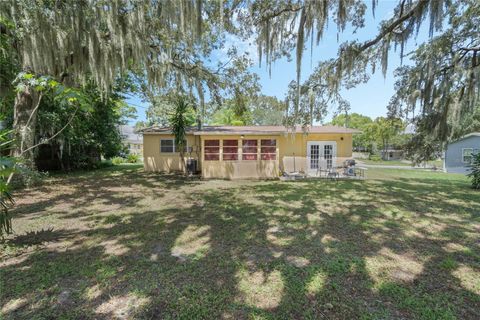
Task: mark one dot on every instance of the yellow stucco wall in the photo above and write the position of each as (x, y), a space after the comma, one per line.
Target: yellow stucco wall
(288, 147)
(154, 160)
(293, 148)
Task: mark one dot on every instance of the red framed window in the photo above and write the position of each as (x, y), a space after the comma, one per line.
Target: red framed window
(249, 149)
(212, 150)
(268, 149)
(230, 149)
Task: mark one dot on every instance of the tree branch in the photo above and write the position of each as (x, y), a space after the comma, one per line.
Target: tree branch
(56, 134)
(471, 49)
(45, 141)
(394, 25)
(275, 14)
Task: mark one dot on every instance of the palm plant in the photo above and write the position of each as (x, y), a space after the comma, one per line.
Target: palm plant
(6, 168)
(180, 120)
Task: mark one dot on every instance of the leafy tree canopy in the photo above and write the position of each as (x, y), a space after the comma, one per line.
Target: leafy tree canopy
(168, 42)
(361, 140)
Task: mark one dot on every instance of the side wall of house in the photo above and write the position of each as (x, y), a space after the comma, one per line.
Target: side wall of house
(293, 148)
(291, 153)
(154, 160)
(454, 154)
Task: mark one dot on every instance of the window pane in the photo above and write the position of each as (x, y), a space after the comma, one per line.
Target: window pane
(250, 143)
(212, 143)
(250, 150)
(268, 149)
(230, 150)
(212, 149)
(212, 157)
(230, 143)
(166, 149)
(249, 156)
(467, 152)
(166, 145)
(268, 156)
(166, 142)
(230, 156)
(268, 142)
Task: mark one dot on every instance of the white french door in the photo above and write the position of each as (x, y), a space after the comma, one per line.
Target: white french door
(321, 155)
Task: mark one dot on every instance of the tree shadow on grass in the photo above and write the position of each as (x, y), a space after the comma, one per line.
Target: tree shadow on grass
(314, 249)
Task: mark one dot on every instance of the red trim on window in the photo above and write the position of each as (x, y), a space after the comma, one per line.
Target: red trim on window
(249, 149)
(268, 149)
(230, 156)
(249, 156)
(212, 150)
(230, 143)
(212, 143)
(250, 143)
(230, 150)
(212, 157)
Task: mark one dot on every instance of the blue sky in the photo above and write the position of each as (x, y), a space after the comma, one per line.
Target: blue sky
(369, 99)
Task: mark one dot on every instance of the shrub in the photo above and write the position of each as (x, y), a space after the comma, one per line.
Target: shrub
(475, 171)
(133, 158)
(27, 177)
(118, 160)
(375, 157)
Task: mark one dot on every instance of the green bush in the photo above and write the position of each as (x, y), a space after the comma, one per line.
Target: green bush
(118, 160)
(375, 157)
(475, 171)
(133, 158)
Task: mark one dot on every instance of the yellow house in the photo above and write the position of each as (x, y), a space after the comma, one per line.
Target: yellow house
(237, 152)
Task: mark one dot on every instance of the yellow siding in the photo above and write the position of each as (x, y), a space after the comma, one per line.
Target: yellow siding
(288, 146)
(295, 146)
(154, 160)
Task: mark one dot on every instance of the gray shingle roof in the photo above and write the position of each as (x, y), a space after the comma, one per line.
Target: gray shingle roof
(216, 130)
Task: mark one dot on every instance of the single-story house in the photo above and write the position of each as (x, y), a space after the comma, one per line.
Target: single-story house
(391, 154)
(459, 153)
(131, 139)
(237, 152)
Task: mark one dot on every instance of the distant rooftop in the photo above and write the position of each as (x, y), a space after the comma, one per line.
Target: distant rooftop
(218, 130)
(129, 135)
(473, 134)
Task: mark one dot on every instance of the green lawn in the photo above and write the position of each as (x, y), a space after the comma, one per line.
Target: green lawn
(437, 163)
(386, 162)
(121, 243)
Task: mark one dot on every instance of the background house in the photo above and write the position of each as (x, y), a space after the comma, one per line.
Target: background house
(458, 155)
(132, 140)
(391, 154)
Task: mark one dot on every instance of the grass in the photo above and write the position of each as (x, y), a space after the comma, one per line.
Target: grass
(386, 162)
(437, 163)
(121, 243)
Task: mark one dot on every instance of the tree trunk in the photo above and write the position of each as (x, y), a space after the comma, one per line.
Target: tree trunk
(24, 124)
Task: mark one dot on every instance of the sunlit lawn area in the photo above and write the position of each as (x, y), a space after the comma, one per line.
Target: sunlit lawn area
(121, 243)
(437, 163)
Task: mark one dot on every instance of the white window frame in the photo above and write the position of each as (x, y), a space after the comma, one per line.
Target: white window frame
(471, 154)
(321, 155)
(463, 155)
(174, 145)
